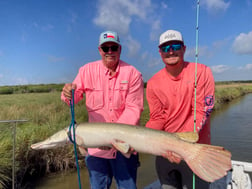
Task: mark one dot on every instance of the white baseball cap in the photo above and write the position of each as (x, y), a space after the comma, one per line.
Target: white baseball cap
(170, 35)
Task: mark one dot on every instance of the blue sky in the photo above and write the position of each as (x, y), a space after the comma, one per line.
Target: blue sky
(47, 41)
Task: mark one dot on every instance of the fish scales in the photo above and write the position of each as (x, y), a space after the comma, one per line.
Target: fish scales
(208, 162)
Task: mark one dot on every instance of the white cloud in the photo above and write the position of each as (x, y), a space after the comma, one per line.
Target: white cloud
(214, 6)
(72, 20)
(46, 27)
(233, 73)
(117, 14)
(221, 43)
(164, 5)
(149, 60)
(219, 68)
(133, 46)
(155, 30)
(246, 67)
(202, 51)
(20, 81)
(243, 43)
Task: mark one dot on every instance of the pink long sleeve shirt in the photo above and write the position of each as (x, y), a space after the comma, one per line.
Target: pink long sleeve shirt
(114, 99)
(171, 101)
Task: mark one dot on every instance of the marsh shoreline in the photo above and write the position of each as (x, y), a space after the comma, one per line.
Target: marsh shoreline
(46, 114)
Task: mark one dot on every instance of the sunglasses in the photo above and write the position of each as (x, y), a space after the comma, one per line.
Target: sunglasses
(113, 48)
(174, 47)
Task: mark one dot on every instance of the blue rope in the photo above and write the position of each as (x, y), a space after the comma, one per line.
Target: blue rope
(73, 140)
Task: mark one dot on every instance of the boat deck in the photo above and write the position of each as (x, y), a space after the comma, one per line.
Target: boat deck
(237, 178)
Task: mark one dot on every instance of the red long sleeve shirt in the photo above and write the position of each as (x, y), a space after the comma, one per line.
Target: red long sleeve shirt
(171, 101)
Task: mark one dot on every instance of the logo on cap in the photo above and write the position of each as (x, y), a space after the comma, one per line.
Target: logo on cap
(170, 35)
(108, 35)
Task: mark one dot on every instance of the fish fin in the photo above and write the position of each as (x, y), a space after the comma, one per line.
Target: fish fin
(209, 162)
(188, 136)
(121, 146)
(172, 157)
(83, 151)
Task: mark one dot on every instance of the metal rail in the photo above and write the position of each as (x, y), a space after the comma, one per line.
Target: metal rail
(13, 145)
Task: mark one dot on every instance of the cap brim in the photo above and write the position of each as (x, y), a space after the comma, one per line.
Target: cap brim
(112, 41)
(182, 42)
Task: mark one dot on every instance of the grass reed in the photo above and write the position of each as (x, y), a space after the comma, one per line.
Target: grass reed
(46, 114)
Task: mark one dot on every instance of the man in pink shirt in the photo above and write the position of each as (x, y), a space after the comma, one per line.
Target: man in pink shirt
(114, 93)
(171, 96)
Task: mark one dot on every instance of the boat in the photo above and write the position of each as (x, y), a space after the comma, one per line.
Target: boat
(239, 177)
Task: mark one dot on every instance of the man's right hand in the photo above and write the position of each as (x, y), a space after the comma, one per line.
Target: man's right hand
(67, 90)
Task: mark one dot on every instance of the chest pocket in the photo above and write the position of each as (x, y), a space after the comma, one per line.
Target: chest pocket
(120, 96)
(94, 99)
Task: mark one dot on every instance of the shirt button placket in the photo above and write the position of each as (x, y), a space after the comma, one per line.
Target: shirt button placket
(110, 97)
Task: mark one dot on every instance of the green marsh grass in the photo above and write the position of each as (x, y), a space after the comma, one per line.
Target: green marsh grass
(46, 114)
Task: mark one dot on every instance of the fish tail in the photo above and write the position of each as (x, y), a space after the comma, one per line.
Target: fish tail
(209, 162)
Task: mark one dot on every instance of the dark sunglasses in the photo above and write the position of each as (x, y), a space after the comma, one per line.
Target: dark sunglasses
(113, 48)
(174, 47)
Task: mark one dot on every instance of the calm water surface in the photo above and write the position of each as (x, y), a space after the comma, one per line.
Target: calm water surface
(231, 128)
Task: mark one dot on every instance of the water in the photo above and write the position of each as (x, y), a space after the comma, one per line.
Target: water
(231, 128)
(146, 175)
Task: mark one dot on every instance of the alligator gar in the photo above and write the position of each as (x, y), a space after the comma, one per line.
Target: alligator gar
(207, 161)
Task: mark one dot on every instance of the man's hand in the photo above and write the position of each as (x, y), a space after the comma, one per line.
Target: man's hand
(67, 90)
(172, 157)
(132, 151)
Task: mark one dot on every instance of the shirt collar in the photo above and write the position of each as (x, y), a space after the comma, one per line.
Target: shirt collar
(106, 70)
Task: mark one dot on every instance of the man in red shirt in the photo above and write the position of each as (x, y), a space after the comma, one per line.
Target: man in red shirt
(171, 98)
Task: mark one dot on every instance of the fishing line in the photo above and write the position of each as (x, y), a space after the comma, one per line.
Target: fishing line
(196, 61)
(73, 140)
